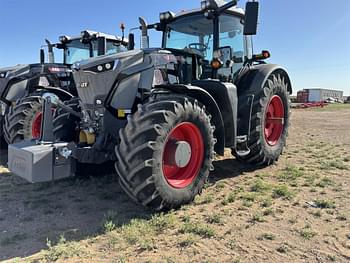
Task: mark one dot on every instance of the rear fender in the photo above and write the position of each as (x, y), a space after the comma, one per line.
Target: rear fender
(249, 84)
(211, 107)
(255, 78)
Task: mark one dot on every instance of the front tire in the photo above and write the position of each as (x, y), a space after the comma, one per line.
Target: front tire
(166, 152)
(66, 129)
(66, 124)
(269, 123)
(3, 144)
(23, 120)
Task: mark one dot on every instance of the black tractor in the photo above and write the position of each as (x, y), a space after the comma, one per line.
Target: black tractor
(22, 87)
(162, 114)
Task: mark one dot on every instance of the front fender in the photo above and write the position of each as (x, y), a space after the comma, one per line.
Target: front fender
(211, 107)
(61, 93)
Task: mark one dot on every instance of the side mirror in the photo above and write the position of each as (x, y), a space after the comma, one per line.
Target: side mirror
(251, 18)
(42, 56)
(222, 58)
(101, 46)
(265, 54)
(131, 43)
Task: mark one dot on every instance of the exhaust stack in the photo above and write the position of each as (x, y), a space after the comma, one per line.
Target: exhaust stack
(50, 51)
(144, 36)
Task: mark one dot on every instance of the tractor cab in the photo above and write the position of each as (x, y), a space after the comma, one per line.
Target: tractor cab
(212, 42)
(89, 44)
(197, 33)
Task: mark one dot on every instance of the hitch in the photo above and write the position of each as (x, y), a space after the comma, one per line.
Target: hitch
(42, 160)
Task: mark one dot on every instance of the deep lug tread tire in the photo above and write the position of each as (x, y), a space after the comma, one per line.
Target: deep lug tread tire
(66, 130)
(139, 154)
(18, 121)
(65, 123)
(3, 143)
(260, 152)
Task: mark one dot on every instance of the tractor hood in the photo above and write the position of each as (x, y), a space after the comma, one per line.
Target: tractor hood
(11, 70)
(98, 78)
(13, 80)
(90, 64)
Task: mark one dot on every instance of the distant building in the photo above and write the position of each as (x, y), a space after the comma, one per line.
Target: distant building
(318, 94)
(303, 96)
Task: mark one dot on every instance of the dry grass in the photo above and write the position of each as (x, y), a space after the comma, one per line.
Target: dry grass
(297, 210)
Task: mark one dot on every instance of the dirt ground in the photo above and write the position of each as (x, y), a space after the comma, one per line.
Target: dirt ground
(297, 210)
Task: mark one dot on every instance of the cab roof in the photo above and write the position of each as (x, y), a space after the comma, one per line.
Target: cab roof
(100, 34)
(234, 9)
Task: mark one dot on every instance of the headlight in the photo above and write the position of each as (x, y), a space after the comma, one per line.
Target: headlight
(100, 68)
(3, 74)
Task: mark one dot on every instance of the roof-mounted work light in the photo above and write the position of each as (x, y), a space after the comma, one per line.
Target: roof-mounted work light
(85, 34)
(64, 39)
(166, 16)
(209, 5)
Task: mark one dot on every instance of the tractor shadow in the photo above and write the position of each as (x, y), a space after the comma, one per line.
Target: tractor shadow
(76, 208)
(230, 168)
(3, 157)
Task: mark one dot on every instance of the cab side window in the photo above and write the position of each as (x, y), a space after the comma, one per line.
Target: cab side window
(113, 48)
(231, 34)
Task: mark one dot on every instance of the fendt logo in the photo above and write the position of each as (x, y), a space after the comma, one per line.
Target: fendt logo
(84, 84)
(18, 164)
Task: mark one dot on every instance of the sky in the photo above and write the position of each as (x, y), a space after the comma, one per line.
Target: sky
(310, 38)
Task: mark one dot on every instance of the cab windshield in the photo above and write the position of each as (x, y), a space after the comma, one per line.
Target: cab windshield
(191, 32)
(196, 32)
(76, 51)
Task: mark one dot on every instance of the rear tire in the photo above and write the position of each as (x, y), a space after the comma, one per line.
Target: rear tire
(143, 166)
(20, 119)
(267, 139)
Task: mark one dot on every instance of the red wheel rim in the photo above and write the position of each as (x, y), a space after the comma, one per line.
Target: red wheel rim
(36, 125)
(189, 134)
(274, 120)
